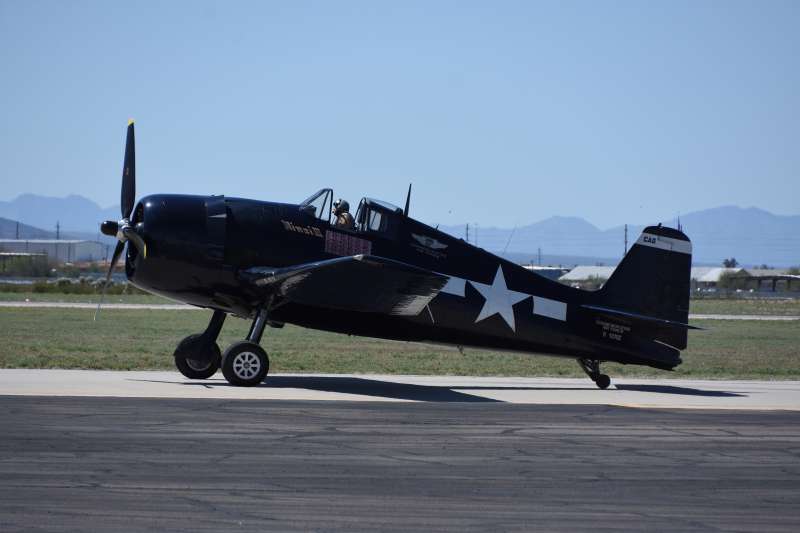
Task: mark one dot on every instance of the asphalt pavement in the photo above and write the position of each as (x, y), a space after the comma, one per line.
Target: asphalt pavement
(137, 464)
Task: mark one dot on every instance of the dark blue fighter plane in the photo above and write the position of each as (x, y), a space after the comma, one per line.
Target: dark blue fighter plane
(386, 275)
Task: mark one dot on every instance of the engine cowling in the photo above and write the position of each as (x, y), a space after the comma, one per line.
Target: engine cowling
(185, 237)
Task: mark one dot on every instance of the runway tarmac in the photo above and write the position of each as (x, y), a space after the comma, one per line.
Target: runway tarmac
(625, 392)
(110, 305)
(184, 307)
(136, 464)
(782, 318)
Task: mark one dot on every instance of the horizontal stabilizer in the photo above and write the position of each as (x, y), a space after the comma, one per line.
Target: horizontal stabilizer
(662, 322)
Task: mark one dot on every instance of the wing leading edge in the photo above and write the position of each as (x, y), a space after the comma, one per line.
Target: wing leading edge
(362, 283)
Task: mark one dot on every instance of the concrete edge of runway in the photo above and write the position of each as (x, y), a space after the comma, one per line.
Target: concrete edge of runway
(624, 392)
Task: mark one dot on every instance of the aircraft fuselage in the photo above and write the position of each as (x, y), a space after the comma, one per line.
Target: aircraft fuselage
(198, 247)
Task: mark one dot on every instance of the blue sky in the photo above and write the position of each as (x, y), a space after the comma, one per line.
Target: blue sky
(500, 113)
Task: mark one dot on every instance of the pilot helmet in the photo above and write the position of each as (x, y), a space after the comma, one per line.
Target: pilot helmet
(340, 206)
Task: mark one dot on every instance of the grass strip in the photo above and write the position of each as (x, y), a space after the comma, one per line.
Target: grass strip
(143, 339)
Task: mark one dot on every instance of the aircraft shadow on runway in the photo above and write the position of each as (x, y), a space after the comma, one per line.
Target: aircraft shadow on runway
(685, 391)
(429, 393)
(365, 387)
(374, 387)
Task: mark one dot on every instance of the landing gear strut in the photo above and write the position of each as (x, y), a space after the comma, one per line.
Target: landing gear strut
(198, 356)
(245, 363)
(592, 369)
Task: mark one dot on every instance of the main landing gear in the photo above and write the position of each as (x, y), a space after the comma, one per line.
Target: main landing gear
(244, 363)
(592, 369)
(198, 356)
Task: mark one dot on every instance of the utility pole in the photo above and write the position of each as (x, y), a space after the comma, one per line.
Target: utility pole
(58, 237)
(17, 231)
(467, 231)
(540, 256)
(626, 241)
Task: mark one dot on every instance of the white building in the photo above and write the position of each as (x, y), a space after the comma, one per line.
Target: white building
(584, 273)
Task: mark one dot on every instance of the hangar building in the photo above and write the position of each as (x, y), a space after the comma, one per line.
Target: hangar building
(65, 251)
(702, 278)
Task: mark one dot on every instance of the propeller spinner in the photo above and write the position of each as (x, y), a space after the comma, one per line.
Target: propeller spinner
(123, 230)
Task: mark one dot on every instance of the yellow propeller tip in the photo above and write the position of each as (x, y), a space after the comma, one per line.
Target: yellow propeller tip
(130, 121)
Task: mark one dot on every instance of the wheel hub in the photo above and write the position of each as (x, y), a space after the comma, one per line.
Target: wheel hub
(197, 365)
(246, 365)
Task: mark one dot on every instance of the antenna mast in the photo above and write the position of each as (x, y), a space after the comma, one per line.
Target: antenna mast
(408, 200)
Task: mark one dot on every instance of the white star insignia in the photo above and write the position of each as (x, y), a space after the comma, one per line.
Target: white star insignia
(499, 300)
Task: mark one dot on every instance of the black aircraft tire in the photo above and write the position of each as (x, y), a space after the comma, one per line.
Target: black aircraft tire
(192, 368)
(603, 381)
(245, 364)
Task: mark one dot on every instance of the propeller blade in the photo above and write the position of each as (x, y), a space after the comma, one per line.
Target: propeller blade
(136, 239)
(114, 258)
(128, 194)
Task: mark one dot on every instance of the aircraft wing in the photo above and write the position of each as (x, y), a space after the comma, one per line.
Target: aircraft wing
(363, 283)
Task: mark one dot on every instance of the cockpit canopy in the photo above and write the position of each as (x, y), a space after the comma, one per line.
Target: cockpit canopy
(377, 215)
(319, 205)
(372, 215)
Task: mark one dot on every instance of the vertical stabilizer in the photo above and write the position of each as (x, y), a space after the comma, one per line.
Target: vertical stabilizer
(653, 280)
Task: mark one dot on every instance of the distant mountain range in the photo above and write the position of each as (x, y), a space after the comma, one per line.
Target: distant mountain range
(753, 236)
(74, 213)
(11, 229)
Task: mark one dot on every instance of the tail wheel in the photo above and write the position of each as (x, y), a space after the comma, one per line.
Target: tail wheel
(603, 381)
(245, 364)
(592, 369)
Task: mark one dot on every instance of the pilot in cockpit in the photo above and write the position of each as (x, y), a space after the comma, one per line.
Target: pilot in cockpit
(341, 210)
